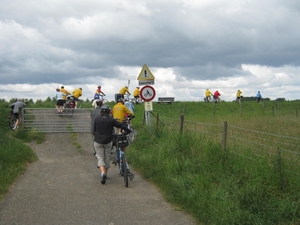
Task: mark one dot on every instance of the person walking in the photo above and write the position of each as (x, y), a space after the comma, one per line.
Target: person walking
(77, 93)
(15, 107)
(59, 100)
(94, 113)
(238, 96)
(258, 96)
(103, 136)
(119, 112)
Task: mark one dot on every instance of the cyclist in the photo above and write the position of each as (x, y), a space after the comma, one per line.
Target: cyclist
(119, 111)
(97, 102)
(129, 105)
(216, 96)
(15, 106)
(207, 95)
(103, 136)
(238, 96)
(63, 90)
(123, 91)
(136, 94)
(59, 100)
(98, 92)
(77, 93)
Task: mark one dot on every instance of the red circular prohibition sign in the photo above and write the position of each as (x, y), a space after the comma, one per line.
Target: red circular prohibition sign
(147, 93)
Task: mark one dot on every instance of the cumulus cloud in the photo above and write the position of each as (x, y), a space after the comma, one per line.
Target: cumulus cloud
(190, 45)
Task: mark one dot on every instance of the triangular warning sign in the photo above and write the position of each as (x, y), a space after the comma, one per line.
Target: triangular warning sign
(145, 74)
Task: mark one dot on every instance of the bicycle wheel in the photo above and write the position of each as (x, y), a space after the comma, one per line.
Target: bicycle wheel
(124, 169)
(11, 120)
(69, 111)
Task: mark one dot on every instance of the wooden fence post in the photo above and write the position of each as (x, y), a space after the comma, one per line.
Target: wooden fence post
(181, 123)
(224, 136)
(157, 120)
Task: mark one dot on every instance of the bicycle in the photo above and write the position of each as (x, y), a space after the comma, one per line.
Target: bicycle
(138, 100)
(127, 122)
(124, 169)
(68, 107)
(104, 101)
(11, 119)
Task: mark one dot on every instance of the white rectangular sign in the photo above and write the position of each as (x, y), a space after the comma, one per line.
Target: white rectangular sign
(146, 82)
(148, 106)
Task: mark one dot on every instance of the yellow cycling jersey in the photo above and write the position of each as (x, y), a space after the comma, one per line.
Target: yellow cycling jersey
(119, 111)
(77, 93)
(124, 90)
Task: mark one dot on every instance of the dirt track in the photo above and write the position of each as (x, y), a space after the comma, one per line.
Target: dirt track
(63, 187)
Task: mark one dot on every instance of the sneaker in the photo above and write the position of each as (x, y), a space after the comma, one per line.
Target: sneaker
(103, 178)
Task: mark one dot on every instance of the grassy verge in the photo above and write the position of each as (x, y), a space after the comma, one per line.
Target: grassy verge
(14, 154)
(216, 187)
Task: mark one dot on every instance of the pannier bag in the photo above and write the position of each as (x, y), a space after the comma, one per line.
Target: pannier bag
(122, 141)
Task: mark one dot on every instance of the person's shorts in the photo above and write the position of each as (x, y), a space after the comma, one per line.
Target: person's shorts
(60, 102)
(16, 115)
(76, 99)
(238, 97)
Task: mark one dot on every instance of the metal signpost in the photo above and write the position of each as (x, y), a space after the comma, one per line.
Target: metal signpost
(147, 92)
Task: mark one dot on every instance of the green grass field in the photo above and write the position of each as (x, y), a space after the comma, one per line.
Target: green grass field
(255, 181)
(180, 149)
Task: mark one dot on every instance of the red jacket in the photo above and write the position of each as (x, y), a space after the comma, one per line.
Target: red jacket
(217, 94)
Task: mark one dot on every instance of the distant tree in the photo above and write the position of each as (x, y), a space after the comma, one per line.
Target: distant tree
(280, 99)
(48, 99)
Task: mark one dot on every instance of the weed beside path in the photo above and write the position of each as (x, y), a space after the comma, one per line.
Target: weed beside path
(63, 187)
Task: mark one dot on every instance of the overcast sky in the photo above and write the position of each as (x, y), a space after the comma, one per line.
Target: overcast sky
(189, 45)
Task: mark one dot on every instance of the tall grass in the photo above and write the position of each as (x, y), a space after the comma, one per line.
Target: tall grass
(14, 154)
(215, 186)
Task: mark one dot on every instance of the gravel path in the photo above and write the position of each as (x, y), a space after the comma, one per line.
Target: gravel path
(63, 187)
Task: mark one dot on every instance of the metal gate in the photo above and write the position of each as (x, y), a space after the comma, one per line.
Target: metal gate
(48, 121)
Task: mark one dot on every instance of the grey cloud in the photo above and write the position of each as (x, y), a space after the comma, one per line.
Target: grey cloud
(71, 40)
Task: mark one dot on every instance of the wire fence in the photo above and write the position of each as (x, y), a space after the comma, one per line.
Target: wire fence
(235, 139)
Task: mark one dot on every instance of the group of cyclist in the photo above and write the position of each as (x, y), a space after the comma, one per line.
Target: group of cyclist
(216, 96)
(61, 96)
